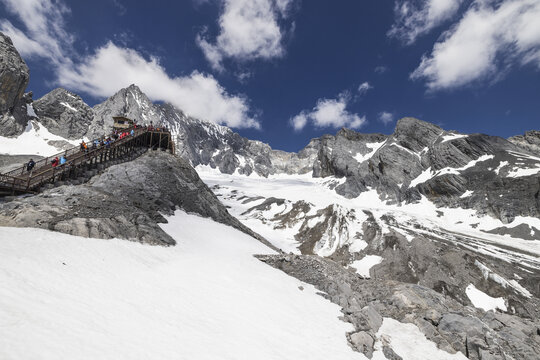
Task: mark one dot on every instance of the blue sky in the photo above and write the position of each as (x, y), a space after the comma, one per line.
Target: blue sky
(285, 71)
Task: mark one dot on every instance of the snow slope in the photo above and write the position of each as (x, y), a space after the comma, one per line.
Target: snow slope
(66, 297)
(34, 140)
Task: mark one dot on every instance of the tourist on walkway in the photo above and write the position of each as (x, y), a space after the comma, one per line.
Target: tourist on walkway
(30, 165)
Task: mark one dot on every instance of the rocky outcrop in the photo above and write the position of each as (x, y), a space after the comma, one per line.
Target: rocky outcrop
(130, 102)
(453, 326)
(530, 141)
(14, 77)
(64, 113)
(125, 201)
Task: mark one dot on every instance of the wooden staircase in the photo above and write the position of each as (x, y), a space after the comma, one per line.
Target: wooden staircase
(20, 181)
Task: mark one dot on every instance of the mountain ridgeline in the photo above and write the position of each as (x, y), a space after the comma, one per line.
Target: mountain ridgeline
(492, 175)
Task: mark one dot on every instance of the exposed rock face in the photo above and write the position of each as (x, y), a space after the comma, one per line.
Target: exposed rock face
(530, 141)
(443, 320)
(129, 102)
(64, 113)
(14, 77)
(125, 201)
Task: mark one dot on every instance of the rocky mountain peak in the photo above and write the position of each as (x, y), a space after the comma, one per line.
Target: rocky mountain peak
(415, 134)
(130, 102)
(64, 113)
(14, 77)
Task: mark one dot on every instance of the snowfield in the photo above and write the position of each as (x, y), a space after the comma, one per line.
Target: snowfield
(67, 297)
(463, 226)
(34, 140)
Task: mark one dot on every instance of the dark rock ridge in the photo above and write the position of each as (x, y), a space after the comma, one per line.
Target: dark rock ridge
(125, 201)
(64, 114)
(14, 77)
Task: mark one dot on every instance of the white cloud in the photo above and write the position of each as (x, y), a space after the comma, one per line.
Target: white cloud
(44, 22)
(381, 69)
(199, 95)
(300, 121)
(491, 37)
(364, 88)
(111, 68)
(415, 18)
(249, 29)
(386, 117)
(329, 113)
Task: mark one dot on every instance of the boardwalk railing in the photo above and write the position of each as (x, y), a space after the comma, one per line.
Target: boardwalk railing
(22, 181)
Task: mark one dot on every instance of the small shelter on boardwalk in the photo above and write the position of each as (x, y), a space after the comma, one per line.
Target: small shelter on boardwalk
(122, 123)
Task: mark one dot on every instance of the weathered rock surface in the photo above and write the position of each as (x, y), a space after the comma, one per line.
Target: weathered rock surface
(530, 141)
(418, 160)
(443, 320)
(14, 77)
(125, 201)
(130, 102)
(64, 113)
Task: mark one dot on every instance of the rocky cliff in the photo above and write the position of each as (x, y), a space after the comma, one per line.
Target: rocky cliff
(530, 141)
(14, 77)
(64, 114)
(125, 201)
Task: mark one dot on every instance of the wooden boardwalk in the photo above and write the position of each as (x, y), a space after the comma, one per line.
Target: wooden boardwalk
(21, 181)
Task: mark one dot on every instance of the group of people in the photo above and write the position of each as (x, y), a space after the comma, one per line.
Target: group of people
(105, 141)
(92, 145)
(55, 162)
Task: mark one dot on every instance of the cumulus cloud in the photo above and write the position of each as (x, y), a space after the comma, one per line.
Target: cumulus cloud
(364, 88)
(417, 17)
(111, 67)
(386, 117)
(491, 37)
(329, 113)
(198, 94)
(248, 30)
(44, 22)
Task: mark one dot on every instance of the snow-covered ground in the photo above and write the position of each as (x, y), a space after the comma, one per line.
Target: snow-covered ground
(407, 341)
(483, 301)
(363, 265)
(67, 297)
(463, 226)
(34, 140)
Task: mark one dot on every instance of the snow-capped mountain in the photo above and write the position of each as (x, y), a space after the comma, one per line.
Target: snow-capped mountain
(425, 235)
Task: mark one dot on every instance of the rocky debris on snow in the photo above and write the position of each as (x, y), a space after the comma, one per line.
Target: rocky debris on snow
(14, 77)
(124, 201)
(64, 113)
(530, 141)
(447, 322)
